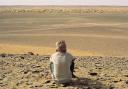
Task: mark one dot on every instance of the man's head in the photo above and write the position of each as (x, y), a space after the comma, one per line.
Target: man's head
(61, 46)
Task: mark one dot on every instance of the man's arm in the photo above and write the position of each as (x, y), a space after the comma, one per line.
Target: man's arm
(51, 65)
(72, 67)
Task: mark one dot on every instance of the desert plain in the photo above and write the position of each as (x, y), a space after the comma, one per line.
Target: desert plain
(96, 36)
(87, 30)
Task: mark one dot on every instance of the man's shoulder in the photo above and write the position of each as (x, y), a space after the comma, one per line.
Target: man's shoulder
(55, 54)
(69, 54)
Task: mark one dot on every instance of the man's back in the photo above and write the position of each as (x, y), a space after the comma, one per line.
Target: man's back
(61, 63)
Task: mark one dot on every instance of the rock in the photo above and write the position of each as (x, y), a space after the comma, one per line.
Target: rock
(93, 74)
(53, 87)
(99, 68)
(20, 65)
(30, 53)
(126, 75)
(32, 87)
(48, 81)
(2, 76)
(35, 66)
(10, 54)
(3, 55)
(112, 87)
(126, 81)
(45, 87)
(2, 84)
(46, 58)
(37, 71)
(28, 83)
(19, 82)
(21, 57)
(86, 87)
(115, 81)
(26, 71)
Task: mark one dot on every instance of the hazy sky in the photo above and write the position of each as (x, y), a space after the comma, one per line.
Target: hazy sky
(64, 2)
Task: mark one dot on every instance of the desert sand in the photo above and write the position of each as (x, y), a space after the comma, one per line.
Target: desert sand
(90, 33)
(96, 36)
(19, 49)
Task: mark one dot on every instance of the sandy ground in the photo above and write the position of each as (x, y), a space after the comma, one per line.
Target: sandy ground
(28, 71)
(18, 49)
(99, 34)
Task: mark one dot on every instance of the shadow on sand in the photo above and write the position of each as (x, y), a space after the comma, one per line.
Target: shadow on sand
(85, 83)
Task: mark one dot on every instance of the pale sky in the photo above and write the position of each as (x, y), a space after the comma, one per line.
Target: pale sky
(64, 2)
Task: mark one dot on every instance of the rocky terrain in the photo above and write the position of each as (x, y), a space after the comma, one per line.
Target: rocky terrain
(30, 71)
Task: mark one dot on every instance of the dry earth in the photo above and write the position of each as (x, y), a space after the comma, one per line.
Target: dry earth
(29, 71)
(91, 34)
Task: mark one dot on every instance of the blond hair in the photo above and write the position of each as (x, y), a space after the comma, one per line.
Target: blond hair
(59, 44)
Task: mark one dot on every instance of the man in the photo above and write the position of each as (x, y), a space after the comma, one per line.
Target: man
(62, 64)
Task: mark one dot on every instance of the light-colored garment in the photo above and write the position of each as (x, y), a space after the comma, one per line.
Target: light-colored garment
(61, 63)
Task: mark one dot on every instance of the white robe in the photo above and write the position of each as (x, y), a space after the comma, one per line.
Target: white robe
(61, 64)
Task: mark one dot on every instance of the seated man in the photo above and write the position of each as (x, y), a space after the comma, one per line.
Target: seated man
(62, 64)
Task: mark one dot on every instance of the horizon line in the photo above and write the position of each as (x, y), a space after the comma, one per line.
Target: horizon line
(72, 5)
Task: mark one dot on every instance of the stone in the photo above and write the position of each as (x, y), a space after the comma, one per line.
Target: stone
(93, 74)
(2, 84)
(126, 75)
(30, 53)
(3, 55)
(21, 57)
(48, 81)
(112, 87)
(86, 87)
(126, 81)
(26, 71)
